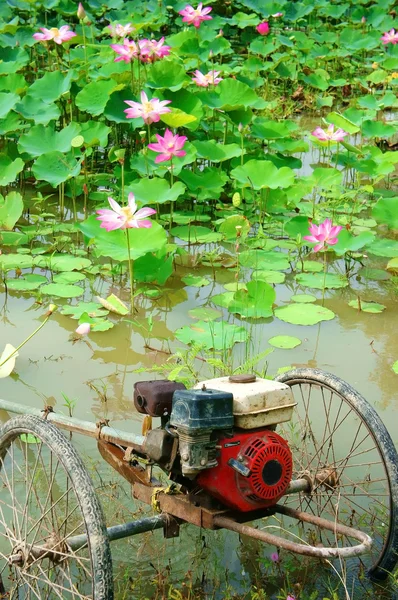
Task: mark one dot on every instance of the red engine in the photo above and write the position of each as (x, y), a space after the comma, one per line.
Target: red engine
(254, 470)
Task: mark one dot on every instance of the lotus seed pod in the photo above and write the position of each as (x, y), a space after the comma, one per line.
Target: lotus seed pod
(236, 199)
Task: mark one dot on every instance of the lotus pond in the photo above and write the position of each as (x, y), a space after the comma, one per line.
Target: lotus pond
(224, 139)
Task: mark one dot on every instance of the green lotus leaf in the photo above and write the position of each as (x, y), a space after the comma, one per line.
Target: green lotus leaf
(62, 262)
(26, 284)
(13, 238)
(95, 133)
(62, 290)
(229, 227)
(204, 314)
(114, 243)
(369, 307)
(195, 280)
(51, 86)
(196, 234)
(386, 211)
(7, 103)
(9, 169)
(304, 314)
(34, 109)
(269, 276)
(371, 129)
(384, 247)
(177, 118)
(303, 298)
(318, 281)
(217, 335)
(12, 60)
(392, 265)
(216, 152)
(40, 140)
(93, 309)
(285, 342)
(263, 260)
(156, 190)
(11, 208)
(95, 95)
(154, 268)
(342, 122)
(56, 167)
(69, 277)
(9, 262)
(169, 75)
(259, 174)
(255, 302)
(346, 242)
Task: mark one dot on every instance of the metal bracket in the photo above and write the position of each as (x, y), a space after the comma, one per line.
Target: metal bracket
(171, 527)
(47, 410)
(99, 425)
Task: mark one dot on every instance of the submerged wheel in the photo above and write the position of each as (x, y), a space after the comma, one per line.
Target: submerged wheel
(47, 497)
(341, 445)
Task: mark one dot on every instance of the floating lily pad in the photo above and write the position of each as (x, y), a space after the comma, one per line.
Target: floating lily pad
(216, 335)
(62, 290)
(369, 307)
(263, 260)
(318, 280)
(69, 277)
(196, 234)
(195, 280)
(93, 309)
(8, 262)
(374, 274)
(395, 367)
(62, 262)
(284, 342)
(28, 283)
(235, 286)
(304, 314)
(312, 266)
(384, 247)
(234, 225)
(224, 299)
(269, 276)
(205, 314)
(303, 298)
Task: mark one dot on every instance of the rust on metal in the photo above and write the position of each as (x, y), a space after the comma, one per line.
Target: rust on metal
(99, 425)
(303, 549)
(47, 410)
(178, 506)
(115, 456)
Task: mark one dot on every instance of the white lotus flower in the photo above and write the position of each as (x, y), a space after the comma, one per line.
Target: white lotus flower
(7, 364)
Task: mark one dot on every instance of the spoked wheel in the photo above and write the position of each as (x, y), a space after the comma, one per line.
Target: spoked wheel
(341, 446)
(46, 498)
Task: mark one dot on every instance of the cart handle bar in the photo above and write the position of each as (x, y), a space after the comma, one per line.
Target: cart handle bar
(100, 430)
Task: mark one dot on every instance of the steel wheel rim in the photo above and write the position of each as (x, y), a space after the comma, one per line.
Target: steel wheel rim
(345, 411)
(44, 515)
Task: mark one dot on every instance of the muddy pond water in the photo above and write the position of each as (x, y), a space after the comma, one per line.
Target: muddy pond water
(97, 374)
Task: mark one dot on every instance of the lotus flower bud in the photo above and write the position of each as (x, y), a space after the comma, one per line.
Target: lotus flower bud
(81, 13)
(83, 329)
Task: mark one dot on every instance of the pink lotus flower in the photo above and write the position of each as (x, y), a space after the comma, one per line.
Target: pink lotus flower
(194, 16)
(263, 28)
(390, 37)
(206, 80)
(149, 110)
(291, 597)
(124, 217)
(168, 146)
(83, 329)
(323, 235)
(151, 50)
(121, 30)
(127, 51)
(59, 36)
(275, 557)
(330, 135)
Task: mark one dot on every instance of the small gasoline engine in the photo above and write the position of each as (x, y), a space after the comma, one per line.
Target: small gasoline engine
(220, 438)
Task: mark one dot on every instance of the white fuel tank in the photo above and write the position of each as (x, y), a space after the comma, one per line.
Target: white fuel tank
(257, 402)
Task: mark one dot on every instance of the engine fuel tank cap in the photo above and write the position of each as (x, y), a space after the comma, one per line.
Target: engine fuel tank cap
(242, 378)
